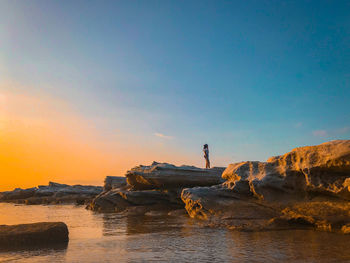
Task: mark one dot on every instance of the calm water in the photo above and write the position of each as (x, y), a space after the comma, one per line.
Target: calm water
(113, 238)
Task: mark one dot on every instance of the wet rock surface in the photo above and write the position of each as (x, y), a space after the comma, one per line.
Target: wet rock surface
(44, 233)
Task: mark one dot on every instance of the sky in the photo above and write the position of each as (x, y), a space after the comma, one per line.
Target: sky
(93, 88)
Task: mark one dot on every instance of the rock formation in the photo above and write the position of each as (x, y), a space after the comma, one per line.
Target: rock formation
(45, 233)
(154, 187)
(323, 168)
(51, 194)
(307, 187)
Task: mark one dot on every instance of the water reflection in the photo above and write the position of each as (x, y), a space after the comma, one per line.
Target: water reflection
(291, 246)
(34, 253)
(113, 224)
(174, 238)
(116, 224)
(41, 248)
(149, 224)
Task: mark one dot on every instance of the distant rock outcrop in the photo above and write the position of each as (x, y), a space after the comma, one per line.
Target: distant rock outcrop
(51, 194)
(45, 233)
(307, 187)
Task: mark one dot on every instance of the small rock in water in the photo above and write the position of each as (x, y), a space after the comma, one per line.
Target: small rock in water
(43, 233)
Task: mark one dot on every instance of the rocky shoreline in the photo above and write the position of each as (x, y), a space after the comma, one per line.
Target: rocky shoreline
(53, 193)
(307, 188)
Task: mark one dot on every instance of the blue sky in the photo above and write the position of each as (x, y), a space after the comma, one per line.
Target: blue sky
(250, 78)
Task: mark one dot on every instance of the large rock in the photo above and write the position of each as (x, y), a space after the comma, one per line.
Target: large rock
(168, 176)
(218, 201)
(323, 168)
(33, 234)
(307, 187)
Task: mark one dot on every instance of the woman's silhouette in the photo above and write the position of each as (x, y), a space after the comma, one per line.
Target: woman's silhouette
(206, 156)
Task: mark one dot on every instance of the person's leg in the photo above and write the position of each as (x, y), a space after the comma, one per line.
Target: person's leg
(207, 163)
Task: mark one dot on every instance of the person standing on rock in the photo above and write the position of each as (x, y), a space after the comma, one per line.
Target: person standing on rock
(206, 156)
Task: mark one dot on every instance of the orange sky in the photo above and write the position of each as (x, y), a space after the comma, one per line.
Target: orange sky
(42, 139)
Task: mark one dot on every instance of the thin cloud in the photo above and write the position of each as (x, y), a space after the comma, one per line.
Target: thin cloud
(343, 130)
(161, 135)
(320, 133)
(335, 132)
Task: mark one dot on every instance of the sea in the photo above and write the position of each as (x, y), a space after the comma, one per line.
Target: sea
(112, 237)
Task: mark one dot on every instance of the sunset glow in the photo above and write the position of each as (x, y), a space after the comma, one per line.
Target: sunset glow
(42, 139)
(174, 131)
(90, 89)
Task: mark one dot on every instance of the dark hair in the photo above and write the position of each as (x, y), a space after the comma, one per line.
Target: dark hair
(205, 146)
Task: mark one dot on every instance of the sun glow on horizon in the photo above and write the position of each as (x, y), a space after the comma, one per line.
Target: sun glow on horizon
(43, 139)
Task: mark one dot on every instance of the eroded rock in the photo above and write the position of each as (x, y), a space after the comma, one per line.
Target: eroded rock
(323, 169)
